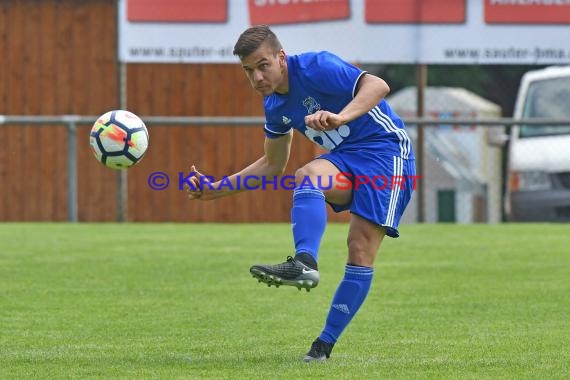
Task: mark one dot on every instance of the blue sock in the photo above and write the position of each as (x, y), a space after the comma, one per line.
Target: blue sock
(348, 298)
(308, 220)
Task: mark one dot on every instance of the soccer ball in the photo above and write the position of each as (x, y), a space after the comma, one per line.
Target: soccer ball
(119, 139)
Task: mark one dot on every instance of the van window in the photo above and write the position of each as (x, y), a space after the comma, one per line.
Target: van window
(548, 99)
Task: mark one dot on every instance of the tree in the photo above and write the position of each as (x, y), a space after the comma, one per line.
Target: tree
(496, 83)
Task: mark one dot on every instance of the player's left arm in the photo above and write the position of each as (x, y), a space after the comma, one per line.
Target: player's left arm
(369, 91)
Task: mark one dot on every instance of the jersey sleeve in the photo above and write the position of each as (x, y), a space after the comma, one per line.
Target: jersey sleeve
(274, 131)
(274, 125)
(331, 74)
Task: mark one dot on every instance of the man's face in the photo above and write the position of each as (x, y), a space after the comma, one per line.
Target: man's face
(266, 70)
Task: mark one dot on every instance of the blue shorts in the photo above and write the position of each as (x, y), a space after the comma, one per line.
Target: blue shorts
(381, 186)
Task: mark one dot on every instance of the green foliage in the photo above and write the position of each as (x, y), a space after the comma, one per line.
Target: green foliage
(497, 83)
(176, 301)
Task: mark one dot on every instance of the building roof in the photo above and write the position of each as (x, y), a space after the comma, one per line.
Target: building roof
(453, 100)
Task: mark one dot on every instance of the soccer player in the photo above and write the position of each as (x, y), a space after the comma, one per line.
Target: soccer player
(369, 168)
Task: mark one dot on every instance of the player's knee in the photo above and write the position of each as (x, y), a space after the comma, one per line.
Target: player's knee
(305, 175)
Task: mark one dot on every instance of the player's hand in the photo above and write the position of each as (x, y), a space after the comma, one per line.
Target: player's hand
(194, 191)
(323, 121)
(202, 189)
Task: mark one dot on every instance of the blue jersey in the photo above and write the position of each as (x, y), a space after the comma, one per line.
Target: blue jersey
(323, 81)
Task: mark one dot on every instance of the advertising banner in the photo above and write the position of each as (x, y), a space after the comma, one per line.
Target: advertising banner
(280, 12)
(177, 10)
(527, 12)
(413, 11)
(363, 31)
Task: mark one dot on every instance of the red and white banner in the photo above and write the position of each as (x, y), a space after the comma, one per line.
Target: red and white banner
(364, 31)
(287, 12)
(178, 10)
(527, 11)
(415, 11)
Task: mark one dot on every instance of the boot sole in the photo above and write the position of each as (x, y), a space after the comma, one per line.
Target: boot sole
(271, 279)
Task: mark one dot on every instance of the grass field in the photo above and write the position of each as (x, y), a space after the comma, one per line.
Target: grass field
(176, 301)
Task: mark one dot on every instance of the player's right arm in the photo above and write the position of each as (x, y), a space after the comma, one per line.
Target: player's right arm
(272, 163)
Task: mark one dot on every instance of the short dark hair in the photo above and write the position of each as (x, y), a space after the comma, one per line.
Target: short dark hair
(253, 37)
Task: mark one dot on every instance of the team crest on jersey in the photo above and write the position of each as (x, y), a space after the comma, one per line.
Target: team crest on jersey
(311, 104)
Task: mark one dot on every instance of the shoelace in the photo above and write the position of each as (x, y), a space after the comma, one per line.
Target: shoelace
(286, 264)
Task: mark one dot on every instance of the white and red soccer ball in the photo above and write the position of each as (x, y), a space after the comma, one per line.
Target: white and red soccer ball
(119, 139)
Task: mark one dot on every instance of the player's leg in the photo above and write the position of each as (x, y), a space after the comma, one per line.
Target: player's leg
(376, 211)
(363, 241)
(316, 181)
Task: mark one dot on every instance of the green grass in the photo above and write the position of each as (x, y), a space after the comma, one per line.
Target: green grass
(176, 301)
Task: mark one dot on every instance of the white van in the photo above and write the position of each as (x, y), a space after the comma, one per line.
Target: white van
(538, 172)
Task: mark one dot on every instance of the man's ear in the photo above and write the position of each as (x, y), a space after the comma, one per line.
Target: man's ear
(282, 57)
